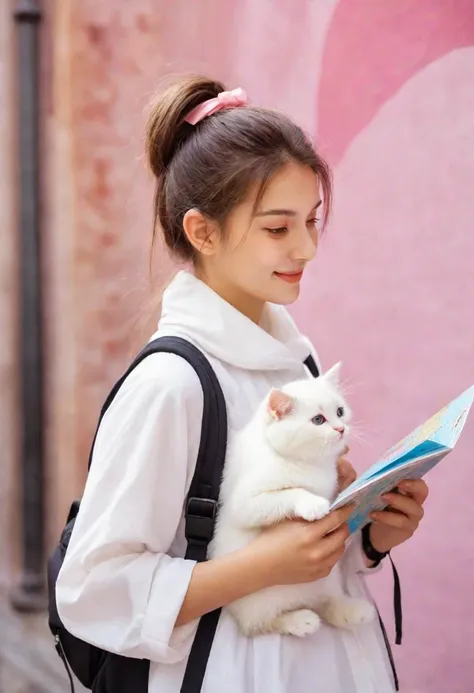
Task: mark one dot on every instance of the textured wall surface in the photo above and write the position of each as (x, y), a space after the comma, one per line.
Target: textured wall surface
(387, 88)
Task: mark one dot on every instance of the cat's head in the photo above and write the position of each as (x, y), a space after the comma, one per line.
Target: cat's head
(308, 419)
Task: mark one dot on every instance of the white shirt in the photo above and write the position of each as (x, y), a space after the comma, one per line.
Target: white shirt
(124, 577)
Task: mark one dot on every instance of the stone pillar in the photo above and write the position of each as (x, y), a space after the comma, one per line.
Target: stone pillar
(8, 302)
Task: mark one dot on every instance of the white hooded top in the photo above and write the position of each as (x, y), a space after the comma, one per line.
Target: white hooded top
(124, 578)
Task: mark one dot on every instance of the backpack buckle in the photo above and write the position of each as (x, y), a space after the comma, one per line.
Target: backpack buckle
(200, 517)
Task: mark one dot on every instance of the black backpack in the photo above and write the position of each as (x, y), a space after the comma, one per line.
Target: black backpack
(102, 671)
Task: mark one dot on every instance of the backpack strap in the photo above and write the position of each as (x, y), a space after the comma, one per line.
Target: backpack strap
(310, 364)
(201, 503)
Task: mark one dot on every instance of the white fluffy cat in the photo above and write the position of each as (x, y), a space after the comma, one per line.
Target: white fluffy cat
(283, 464)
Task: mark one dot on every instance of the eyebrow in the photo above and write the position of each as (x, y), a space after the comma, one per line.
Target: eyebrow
(284, 212)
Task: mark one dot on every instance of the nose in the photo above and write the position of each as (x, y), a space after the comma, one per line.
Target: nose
(306, 247)
(339, 429)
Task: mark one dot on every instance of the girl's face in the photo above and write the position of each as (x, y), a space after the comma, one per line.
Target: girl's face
(261, 257)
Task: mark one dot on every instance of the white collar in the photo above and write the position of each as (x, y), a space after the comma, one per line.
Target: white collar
(190, 308)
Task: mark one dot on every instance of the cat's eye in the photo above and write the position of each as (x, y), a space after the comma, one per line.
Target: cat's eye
(318, 420)
(340, 411)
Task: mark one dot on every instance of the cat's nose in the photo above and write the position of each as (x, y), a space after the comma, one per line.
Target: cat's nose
(339, 429)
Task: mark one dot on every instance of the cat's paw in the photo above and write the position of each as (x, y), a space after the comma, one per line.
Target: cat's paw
(311, 508)
(300, 623)
(344, 612)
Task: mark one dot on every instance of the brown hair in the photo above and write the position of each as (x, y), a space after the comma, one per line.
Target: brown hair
(211, 166)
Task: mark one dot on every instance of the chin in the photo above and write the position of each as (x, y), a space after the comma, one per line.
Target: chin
(285, 296)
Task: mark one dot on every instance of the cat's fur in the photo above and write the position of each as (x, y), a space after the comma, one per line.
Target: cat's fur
(283, 465)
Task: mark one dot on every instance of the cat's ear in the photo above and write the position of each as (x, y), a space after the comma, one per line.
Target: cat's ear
(334, 374)
(280, 404)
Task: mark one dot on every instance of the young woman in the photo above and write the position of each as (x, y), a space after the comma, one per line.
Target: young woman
(239, 194)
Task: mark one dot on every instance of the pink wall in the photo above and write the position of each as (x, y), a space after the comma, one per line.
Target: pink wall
(388, 87)
(392, 292)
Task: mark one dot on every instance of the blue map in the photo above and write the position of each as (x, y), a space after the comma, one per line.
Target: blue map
(410, 458)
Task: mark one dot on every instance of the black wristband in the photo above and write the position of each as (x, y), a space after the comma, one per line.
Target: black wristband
(371, 553)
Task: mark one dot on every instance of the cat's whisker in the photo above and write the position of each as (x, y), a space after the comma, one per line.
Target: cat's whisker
(347, 382)
(358, 424)
(349, 377)
(362, 440)
(347, 392)
(361, 422)
(352, 381)
(362, 436)
(359, 434)
(375, 431)
(378, 427)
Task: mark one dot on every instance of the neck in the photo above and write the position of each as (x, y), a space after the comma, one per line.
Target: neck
(249, 306)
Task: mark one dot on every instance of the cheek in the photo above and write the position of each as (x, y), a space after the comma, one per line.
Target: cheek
(316, 434)
(325, 434)
(271, 255)
(261, 256)
(314, 235)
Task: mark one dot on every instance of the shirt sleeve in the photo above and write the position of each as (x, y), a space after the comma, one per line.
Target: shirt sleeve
(120, 587)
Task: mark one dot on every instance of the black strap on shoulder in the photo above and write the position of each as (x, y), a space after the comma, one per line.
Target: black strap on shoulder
(310, 364)
(214, 431)
(201, 502)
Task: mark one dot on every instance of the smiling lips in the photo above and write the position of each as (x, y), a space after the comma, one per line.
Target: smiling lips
(290, 277)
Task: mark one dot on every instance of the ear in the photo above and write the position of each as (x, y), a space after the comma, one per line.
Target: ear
(200, 231)
(334, 374)
(280, 404)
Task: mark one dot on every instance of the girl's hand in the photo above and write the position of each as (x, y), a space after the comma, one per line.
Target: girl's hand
(397, 523)
(295, 551)
(346, 474)
(290, 552)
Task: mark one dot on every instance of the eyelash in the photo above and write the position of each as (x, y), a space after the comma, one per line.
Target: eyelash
(280, 230)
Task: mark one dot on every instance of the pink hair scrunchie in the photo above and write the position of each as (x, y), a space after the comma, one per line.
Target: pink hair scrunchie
(226, 99)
